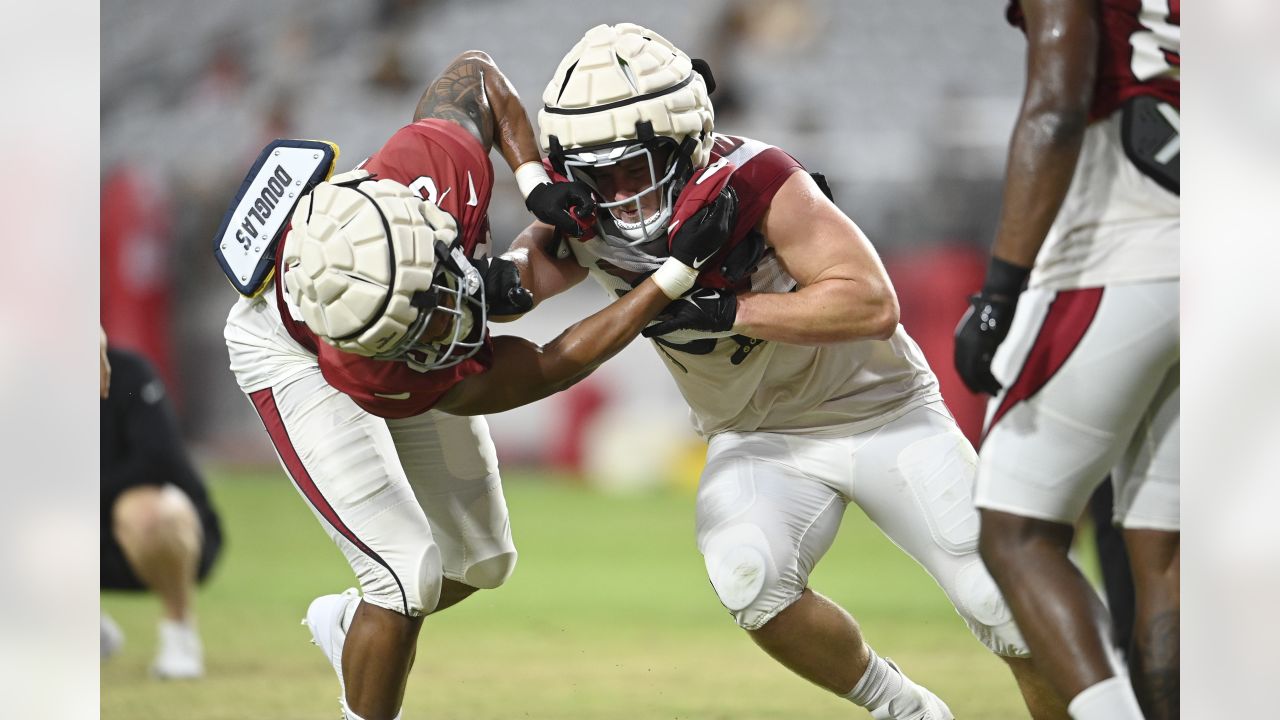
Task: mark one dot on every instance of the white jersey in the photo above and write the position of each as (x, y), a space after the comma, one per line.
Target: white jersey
(735, 383)
(1116, 225)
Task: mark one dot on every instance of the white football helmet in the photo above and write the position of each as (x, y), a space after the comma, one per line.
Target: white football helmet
(368, 264)
(622, 92)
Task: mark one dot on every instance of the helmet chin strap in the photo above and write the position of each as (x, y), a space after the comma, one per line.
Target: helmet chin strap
(684, 164)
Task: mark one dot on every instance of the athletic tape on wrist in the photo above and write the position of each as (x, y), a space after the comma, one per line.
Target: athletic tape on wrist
(529, 176)
(675, 278)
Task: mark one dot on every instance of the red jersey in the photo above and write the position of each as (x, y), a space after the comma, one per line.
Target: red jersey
(1138, 53)
(448, 166)
(759, 171)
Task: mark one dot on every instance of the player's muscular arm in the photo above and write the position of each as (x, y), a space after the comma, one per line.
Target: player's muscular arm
(1062, 50)
(474, 93)
(545, 275)
(844, 292)
(523, 372)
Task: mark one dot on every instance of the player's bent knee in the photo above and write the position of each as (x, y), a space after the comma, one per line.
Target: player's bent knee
(1003, 537)
(409, 590)
(992, 548)
(491, 572)
(985, 611)
(740, 567)
(426, 592)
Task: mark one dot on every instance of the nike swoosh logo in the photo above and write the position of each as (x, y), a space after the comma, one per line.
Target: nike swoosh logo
(697, 262)
(472, 187)
(393, 396)
(712, 296)
(712, 170)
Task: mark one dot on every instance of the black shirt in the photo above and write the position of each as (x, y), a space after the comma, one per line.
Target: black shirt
(141, 444)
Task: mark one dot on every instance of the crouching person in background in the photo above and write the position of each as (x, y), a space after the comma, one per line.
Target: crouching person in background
(160, 532)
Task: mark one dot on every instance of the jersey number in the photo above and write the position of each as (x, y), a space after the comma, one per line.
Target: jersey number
(425, 187)
(1156, 42)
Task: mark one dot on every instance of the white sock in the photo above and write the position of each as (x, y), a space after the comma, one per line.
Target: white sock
(1111, 699)
(879, 684)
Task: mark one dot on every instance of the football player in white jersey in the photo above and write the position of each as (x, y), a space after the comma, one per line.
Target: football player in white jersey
(1087, 381)
(790, 356)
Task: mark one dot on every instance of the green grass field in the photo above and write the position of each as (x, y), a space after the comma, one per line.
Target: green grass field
(609, 615)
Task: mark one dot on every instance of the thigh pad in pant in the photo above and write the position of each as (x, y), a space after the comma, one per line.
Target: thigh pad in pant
(344, 464)
(762, 525)
(452, 467)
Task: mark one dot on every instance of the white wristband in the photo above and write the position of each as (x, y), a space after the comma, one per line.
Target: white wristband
(529, 176)
(675, 278)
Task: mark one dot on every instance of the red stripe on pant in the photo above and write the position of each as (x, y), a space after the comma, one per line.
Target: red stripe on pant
(265, 402)
(1070, 314)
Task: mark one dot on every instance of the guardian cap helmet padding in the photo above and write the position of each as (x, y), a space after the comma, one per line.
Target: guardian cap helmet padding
(369, 263)
(622, 92)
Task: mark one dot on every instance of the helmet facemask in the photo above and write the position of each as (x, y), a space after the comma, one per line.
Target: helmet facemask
(457, 295)
(665, 165)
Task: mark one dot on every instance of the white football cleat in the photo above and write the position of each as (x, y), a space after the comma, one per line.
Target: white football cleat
(112, 637)
(327, 618)
(180, 655)
(913, 702)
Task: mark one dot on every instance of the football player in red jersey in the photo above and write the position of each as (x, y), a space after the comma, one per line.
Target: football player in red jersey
(792, 360)
(1087, 381)
(369, 362)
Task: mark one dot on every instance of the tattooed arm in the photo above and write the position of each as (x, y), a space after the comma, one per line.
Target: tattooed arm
(474, 93)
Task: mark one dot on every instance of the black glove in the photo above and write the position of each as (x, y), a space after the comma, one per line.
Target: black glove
(569, 206)
(700, 237)
(986, 323)
(503, 293)
(705, 309)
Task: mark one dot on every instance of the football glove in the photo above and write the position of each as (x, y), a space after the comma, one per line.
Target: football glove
(702, 236)
(705, 309)
(568, 206)
(986, 324)
(503, 292)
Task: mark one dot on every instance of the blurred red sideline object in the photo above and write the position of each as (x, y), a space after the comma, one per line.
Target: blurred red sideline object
(933, 286)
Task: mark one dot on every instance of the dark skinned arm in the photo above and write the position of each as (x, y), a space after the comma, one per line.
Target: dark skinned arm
(1062, 47)
(474, 93)
(523, 371)
(1062, 53)
(541, 272)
